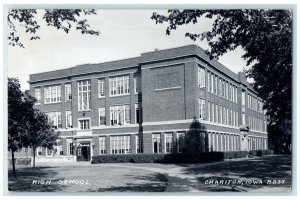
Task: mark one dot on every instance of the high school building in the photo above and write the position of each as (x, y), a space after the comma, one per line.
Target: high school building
(150, 104)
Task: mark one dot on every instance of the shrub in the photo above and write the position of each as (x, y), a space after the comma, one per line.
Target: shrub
(253, 153)
(159, 158)
(235, 154)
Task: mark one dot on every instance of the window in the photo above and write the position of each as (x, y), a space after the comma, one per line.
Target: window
(212, 82)
(69, 123)
(224, 115)
(84, 95)
(137, 84)
(52, 94)
(102, 117)
(229, 92)
(201, 108)
(230, 117)
(212, 112)
(216, 85)
(223, 89)
(70, 150)
(55, 119)
(101, 87)
(120, 115)
(208, 82)
(68, 92)
(208, 109)
(226, 90)
(201, 77)
(119, 85)
(181, 138)
(139, 144)
(84, 124)
(156, 143)
(137, 113)
(216, 111)
(220, 114)
(37, 94)
(102, 145)
(120, 144)
(169, 142)
(220, 87)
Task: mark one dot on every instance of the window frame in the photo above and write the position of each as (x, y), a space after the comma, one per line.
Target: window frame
(68, 92)
(49, 90)
(84, 119)
(101, 88)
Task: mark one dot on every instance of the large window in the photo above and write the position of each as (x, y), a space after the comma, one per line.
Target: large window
(201, 77)
(101, 87)
(69, 123)
(119, 85)
(156, 143)
(68, 92)
(181, 138)
(52, 94)
(137, 84)
(55, 119)
(169, 142)
(102, 145)
(137, 113)
(102, 117)
(84, 124)
(120, 144)
(201, 108)
(120, 115)
(139, 144)
(70, 150)
(37, 94)
(84, 95)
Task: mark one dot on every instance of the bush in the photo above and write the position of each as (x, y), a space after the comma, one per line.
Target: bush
(177, 158)
(159, 158)
(235, 154)
(21, 161)
(253, 153)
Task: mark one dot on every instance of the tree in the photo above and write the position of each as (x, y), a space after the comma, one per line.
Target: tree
(63, 19)
(266, 38)
(27, 126)
(38, 131)
(15, 118)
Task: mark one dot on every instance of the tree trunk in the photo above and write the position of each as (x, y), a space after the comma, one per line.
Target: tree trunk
(13, 163)
(33, 156)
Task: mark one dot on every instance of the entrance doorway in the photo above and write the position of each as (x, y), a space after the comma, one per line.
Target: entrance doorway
(83, 152)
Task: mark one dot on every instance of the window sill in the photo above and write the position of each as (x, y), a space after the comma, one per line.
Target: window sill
(119, 95)
(84, 110)
(53, 102)
(170, 88)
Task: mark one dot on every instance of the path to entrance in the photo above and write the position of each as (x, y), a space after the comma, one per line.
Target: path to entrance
(261, 174)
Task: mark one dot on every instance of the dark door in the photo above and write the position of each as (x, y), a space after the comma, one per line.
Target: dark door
(83, 153)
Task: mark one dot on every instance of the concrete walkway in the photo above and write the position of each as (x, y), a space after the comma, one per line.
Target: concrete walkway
(186, 178)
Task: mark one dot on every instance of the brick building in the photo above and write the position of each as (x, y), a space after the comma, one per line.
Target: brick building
(167, 101)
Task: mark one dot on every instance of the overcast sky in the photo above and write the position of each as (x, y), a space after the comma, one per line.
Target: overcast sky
(124, 34)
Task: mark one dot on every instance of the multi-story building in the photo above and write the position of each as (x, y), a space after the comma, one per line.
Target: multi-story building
(150, 104)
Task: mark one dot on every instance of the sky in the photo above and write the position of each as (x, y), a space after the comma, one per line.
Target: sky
(123, 34)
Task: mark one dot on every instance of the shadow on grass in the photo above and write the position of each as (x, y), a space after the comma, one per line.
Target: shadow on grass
(27, 176)
(152, 183)
(265, 168)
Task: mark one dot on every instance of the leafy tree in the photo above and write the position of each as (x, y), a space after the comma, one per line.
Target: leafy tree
(27, 126)
(15, 118)
(266, 38)
(63, 19)
(38, 131)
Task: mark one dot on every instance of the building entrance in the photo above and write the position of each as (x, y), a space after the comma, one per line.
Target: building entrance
(83, 152)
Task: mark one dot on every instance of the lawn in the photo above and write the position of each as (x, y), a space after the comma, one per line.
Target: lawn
(271, 173)
(86, 178)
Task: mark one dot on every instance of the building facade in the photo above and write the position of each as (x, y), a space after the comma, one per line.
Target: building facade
(150, 104)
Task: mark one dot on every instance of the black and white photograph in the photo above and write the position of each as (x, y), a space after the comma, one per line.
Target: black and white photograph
(149, 100)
